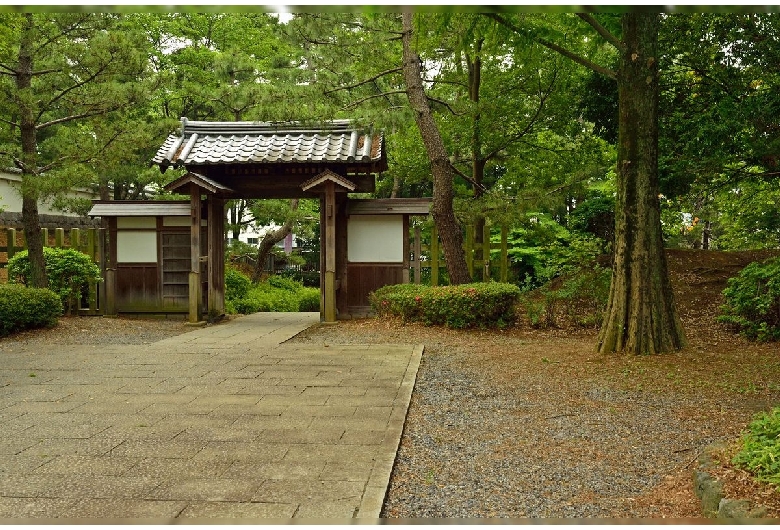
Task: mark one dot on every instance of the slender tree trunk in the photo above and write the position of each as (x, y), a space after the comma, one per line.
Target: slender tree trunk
(443, 175)
(641, 317)
(29, 160)
(272, 238)
(477, 160)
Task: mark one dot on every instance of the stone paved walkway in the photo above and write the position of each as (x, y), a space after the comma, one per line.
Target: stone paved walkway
(221, 422)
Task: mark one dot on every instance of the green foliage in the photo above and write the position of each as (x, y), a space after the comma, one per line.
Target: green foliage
(307, 278)
(70, 272)
(237, 284)
(753, 301)
(276, 294)
(760, 453)
(458, 306)
(26, 308)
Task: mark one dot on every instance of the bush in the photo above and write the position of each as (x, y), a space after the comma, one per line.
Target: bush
(456, 306)
(309, 299)
(237, 284)
(26, 307)
(276, 294)
(753, 301)
(69, 272)
(761, 447)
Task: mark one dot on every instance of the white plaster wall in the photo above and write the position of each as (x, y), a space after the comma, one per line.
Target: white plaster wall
(11, 200)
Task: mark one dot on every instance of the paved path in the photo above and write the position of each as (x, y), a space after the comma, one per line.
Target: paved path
(221, 422)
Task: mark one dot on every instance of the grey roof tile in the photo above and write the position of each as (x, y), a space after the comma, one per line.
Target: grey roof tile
(200, 143)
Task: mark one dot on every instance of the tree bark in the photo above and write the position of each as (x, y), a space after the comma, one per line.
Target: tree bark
(29, 159)
(641, 317)
(442, 210)
(272, 238)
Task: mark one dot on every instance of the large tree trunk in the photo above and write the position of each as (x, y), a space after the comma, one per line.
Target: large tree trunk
(272, 238)
(641, 317)
(29, 159)
(443, 175)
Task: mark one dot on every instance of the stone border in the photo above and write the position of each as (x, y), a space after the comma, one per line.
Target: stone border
(710, 491)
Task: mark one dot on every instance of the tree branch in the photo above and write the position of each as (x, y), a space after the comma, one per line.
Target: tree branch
(363, 100)
(365, 82)
(601, 30)
(606, 72)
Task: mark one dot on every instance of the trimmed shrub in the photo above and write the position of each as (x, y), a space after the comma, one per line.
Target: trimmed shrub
(237, 284)
(753, 301)
(282, 282)
(456, 306)
(26, 308)
(761, 447)
(69, 272)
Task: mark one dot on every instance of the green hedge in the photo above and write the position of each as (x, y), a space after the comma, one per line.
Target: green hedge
(753, 301)
(26, 307)
(457, 306)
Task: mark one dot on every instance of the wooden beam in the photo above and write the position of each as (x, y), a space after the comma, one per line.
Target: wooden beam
(330, 252)
(195, 303)
(216, 256)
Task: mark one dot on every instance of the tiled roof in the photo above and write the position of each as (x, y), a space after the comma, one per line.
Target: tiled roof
(182, 184)
(209, 143)
(139, 208)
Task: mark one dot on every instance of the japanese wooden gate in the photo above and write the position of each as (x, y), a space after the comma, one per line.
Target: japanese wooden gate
(248, 160)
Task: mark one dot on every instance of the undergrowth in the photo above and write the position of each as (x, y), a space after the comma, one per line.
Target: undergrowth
(760, 453)
(275, 294)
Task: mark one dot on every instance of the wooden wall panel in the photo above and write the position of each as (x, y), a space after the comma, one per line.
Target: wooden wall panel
(364, 278)
(137, 287)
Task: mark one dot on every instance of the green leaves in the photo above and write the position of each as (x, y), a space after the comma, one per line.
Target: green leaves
(760, 453)
(753, 301)
(25, 308)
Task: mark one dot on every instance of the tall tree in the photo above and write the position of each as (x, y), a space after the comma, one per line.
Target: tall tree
(59, 69)
(442, 171)
(641, 317)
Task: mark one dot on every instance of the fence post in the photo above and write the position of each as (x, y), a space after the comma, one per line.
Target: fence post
(92, 300)
(434, 256)
(470, 249)
(417, 257)
(101, 260)
(10, 242)
(45, 236)
(486, 253)
(504, 254)
(75, 238)
(59, 237)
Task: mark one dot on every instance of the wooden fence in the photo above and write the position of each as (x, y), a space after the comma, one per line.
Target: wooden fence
(90, 241)
(484, 265)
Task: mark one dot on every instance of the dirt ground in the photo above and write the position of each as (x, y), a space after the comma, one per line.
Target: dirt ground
(716, 362)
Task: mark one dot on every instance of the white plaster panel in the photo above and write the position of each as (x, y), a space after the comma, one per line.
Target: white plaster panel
(136, 246)
(375, 239)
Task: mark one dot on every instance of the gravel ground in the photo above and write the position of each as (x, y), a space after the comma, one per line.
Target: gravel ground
(535, 425)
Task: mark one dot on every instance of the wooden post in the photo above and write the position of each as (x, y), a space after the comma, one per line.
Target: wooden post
(59, 237)
(101, 261)
(330, 252)
(405, 271)
(195, 304)
(470, 249)
(504, 254)
(45, 236)
(75, 238)
(216, 256)
(110, 293)
(417, 251)
(486, 253)
(434, 256)
(91, 250)
(10, 238)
